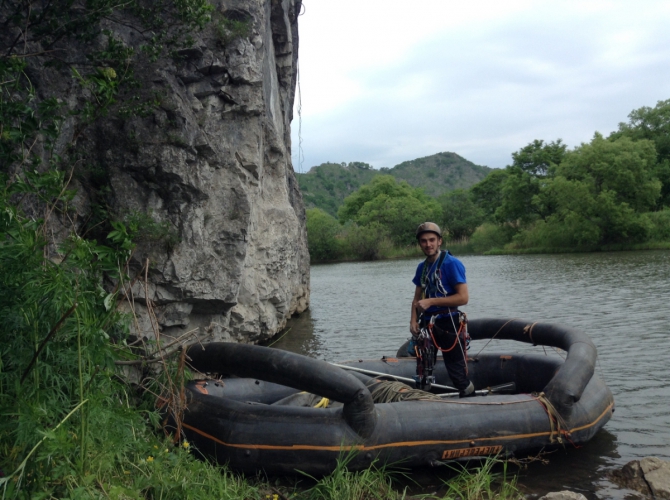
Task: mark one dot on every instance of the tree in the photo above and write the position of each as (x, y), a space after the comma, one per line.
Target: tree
(487, 194)
(537, 158)
(600, 193)
(652, 124)
(322, 229)
(622, 166)
(460, 215)
(530, 168)
(396, 206)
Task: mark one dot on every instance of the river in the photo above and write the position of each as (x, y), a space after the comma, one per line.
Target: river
(361, 310)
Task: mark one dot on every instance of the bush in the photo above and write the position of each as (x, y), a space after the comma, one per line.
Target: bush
(491, 236)
(322, 231)
(371, 242)
(660, 225)
(573, 231)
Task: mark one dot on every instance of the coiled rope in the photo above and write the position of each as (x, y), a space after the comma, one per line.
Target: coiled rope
(392, 391)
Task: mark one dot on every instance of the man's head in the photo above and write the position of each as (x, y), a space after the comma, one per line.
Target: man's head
(429, 237)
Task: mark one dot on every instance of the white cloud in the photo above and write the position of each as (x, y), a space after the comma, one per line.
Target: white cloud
(384, 82)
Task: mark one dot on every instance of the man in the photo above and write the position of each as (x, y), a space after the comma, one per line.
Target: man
(440, 288)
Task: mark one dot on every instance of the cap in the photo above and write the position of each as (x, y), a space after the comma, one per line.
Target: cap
(428, 227)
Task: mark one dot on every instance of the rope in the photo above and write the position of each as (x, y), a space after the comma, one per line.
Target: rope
(556, 422)
(388, 391)
(301, 154)
(499, 330)
(528, 330)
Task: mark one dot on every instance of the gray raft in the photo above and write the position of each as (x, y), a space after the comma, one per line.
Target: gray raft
(234, 420)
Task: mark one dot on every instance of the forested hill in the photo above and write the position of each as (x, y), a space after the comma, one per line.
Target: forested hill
(325, 186)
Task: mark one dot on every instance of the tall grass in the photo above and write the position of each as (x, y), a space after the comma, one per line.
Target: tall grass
(71, 424)
(481, 483)
(375, 482)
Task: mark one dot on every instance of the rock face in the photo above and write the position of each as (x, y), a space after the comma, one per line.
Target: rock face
(225, 180)
(210, 163)
(650, 476)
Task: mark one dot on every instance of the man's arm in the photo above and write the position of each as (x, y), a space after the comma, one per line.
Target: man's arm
(460, 298)
(413, 322)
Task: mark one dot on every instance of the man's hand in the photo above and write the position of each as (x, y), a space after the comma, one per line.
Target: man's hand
(414, 327)
(423, 304)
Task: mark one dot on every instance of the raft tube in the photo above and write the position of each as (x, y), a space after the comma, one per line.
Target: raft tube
(234, 420)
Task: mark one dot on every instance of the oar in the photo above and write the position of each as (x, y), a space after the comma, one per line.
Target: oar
(396, 377)
(508, 387)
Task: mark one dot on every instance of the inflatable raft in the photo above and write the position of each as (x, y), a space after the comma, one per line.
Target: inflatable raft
(240, 419)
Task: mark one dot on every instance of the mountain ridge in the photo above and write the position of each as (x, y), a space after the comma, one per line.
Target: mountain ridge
(325, 186)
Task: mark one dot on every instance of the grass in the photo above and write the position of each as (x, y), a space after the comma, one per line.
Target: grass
(375, 482)
(481, 483)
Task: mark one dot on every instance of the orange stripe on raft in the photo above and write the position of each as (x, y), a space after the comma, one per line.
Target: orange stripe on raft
(387, 445)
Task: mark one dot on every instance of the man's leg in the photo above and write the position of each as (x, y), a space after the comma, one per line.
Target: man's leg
(454, 360)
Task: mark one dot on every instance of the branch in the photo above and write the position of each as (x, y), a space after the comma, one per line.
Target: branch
(48, 337)
(148, 361)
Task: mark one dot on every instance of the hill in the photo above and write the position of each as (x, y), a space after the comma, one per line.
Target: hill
(440, 173)
(325, 186)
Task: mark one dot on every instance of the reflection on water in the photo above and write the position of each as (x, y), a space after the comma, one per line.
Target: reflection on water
(361, 310)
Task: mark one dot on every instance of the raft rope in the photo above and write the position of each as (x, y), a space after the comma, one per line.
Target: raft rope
(556, 422)
(392, 391)
(496, 334)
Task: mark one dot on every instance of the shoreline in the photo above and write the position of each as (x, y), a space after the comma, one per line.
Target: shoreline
(460, 249)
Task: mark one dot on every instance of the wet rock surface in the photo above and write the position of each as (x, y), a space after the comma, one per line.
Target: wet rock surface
(650, 476)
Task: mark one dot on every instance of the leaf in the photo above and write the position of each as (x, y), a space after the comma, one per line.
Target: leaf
(109, 301)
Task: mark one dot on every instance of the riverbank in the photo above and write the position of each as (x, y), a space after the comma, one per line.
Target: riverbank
(468, 248)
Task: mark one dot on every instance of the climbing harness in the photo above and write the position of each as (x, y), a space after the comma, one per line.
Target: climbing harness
(425, 348)
(426, 355)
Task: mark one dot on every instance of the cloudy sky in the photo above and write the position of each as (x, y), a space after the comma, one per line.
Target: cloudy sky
(384, 81)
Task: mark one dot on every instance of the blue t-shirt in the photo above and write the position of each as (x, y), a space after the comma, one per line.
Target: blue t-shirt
(452, 272)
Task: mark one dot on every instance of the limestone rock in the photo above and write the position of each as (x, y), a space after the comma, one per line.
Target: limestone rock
(211, 163)
(650, 476)
(563, 495)
(657, 474)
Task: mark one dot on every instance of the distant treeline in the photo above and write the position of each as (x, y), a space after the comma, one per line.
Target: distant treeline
(325, 186)
(610, 193)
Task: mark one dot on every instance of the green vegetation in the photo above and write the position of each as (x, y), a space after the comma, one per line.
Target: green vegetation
(481, 483)
(378, 221)
(439, 173)
(325, 186)
(603, 195)
(395, 206)
(609, 194)
(231, 26)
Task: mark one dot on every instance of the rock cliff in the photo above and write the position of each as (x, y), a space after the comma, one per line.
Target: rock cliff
(209, 162)
(224, 178)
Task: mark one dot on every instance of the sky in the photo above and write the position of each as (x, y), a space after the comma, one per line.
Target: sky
(385, 81)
